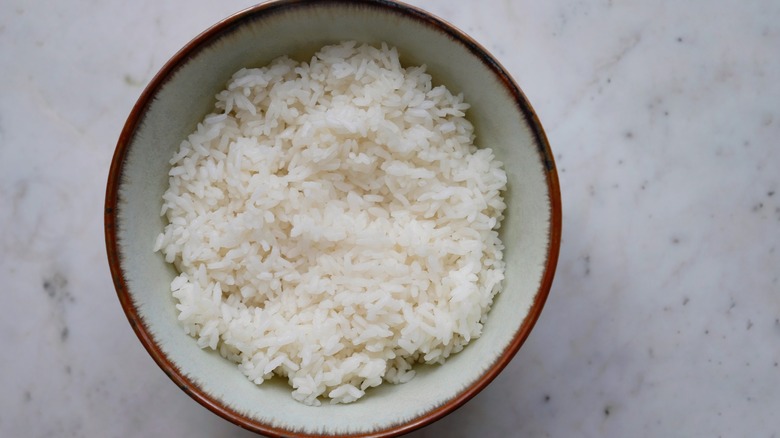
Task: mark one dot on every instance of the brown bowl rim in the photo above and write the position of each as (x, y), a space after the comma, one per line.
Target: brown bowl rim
(202, 40)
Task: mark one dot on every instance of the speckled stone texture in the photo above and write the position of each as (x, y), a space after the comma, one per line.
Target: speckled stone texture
(664, 318)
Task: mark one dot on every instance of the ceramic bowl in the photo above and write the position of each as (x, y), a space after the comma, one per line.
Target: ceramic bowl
(183, 92)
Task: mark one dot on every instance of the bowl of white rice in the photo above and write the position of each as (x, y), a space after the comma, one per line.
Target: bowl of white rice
(332, 218)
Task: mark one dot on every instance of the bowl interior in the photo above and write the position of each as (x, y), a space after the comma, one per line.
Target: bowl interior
(184, 92)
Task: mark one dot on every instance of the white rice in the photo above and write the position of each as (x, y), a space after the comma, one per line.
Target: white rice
(334, 223)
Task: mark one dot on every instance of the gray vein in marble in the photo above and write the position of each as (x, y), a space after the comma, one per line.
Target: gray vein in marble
(600, 76)
(56, 288)
(50, 111)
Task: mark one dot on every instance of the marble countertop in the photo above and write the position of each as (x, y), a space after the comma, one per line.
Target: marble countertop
(664, 318)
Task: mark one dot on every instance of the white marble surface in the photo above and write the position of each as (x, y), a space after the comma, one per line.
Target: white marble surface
(664, 319)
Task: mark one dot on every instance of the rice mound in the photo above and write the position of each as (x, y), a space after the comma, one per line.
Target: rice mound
(333, 223)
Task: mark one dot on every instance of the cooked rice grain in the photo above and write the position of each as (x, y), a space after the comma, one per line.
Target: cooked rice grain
(333, 223)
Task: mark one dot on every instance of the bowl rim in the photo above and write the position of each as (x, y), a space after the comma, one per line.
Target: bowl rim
(267, 8)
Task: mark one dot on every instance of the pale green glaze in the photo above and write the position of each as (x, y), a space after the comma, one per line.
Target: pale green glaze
(188, 96)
